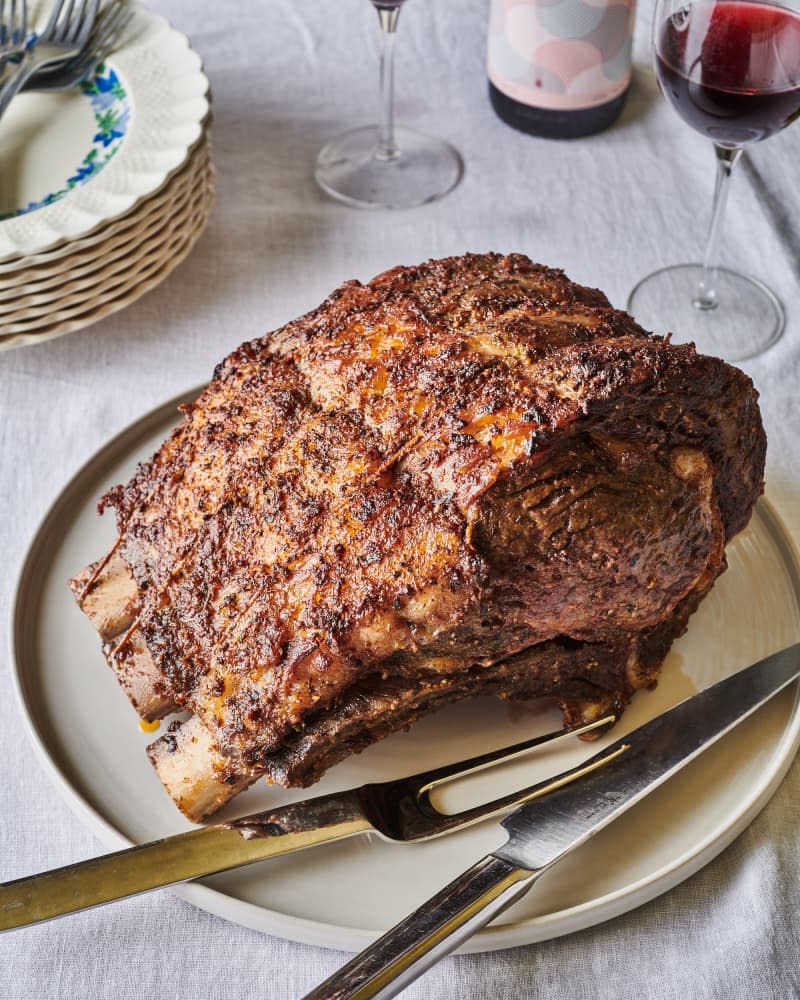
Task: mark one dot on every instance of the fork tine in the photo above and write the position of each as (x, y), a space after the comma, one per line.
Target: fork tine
(66, 19)
(64, 28)
(98, 24)
(49, 28)
(111, 37)
(13, 28)
(121, 19)
(105, 17)
(110, 25)
(402, 810)
(430, 780)
(107, 30)
(444, 822)
(88, 22)
(84, 22)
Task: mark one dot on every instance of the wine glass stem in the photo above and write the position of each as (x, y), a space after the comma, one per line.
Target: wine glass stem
(387, 147)
(705, 296)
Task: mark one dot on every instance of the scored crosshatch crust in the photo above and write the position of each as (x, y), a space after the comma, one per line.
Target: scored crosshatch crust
(472, 474)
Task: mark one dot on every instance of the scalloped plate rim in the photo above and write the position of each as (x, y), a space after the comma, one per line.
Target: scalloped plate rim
(120, 297)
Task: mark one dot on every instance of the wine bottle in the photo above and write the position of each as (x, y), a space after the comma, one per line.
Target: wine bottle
(560, 68)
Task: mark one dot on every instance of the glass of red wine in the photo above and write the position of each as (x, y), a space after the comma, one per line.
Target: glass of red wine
(387, 165)
(731, 69)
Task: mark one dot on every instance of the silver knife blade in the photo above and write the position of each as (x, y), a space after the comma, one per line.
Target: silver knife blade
(542, 831)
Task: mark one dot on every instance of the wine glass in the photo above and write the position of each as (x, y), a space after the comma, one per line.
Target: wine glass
(731, 69)
(387, 165)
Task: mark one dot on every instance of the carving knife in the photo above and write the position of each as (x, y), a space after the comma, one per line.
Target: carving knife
(399, 810)
(543, 832)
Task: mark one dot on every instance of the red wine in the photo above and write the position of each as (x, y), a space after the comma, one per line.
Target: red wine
(731, 70)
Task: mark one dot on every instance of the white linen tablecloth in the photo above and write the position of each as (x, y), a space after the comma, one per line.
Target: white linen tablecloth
(286, 75)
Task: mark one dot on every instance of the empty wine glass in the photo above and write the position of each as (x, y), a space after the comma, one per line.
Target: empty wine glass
(731, 69)
(387, 165)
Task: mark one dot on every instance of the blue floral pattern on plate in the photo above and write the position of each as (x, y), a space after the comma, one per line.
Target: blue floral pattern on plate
(112, 114)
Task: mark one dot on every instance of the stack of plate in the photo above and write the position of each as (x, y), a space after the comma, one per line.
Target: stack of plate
(103, 189)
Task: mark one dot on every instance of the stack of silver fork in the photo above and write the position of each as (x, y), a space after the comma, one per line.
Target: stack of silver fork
(77, 38)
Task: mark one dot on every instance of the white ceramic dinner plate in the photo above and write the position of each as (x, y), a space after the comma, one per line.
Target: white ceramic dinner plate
(136, 260)
(56, 258)
(44, 272)
(344, 895)
(71, 162)
(83, 307)
(118, 267)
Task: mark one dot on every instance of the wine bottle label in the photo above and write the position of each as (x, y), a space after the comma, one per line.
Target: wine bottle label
(563, 55)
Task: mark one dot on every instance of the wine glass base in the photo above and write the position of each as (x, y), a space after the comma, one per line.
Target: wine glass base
(747, 321)
(424, 169)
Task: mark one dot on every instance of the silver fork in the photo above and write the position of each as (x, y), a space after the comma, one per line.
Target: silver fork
(13, 29)
(400, 811)
(111, 22)
(63, 37)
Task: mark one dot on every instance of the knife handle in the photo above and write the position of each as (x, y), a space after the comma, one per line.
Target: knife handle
(179, 858)
(438, 927)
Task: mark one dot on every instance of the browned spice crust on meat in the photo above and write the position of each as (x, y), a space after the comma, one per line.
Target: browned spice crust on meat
(473, 475)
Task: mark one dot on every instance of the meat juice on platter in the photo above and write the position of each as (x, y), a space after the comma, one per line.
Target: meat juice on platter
(732, 70)
(470, 476)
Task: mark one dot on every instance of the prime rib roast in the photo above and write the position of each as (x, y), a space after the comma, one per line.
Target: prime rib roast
(468, 477)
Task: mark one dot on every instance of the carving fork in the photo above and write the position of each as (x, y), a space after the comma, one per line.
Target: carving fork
(398, 810)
